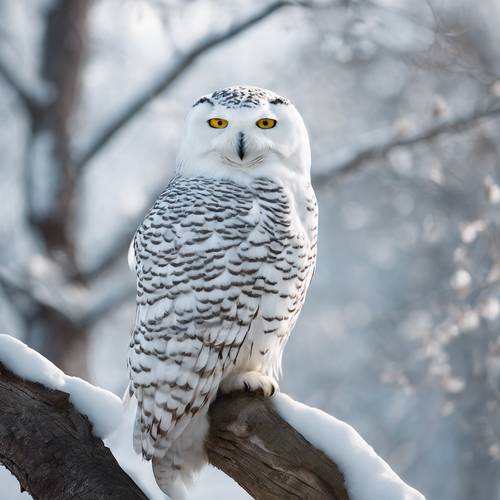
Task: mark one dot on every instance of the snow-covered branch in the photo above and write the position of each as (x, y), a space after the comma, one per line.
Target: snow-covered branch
(252, 443)
(376, 145)
(279, 448)
(166, 77)
(49, 446)
(51, 423)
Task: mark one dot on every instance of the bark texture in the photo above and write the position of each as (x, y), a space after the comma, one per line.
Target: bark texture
(50, 448)
(251, 443)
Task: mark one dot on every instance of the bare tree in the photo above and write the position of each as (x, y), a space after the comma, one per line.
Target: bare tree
(56, 325)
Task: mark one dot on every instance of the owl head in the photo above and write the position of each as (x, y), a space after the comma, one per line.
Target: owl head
(242, 133)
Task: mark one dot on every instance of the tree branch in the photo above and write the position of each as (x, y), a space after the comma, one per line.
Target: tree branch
(119, 246)
(343, 163)
(250, 442)
(49, 447)
(116, 297)
(23, 94)
(14, 283)
(167, 77)
(350, 159)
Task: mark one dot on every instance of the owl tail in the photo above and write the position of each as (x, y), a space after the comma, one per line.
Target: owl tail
(185, 456)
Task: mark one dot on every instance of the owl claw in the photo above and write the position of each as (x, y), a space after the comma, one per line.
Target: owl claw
(250, 382)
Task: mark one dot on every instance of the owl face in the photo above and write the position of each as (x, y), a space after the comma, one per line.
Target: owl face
(244, 132)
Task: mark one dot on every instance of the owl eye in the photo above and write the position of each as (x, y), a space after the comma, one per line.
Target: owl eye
(266, 123)
(218, 122)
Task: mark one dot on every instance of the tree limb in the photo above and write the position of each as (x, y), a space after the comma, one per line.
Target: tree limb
(23, 94)
(12, 282)
(121, 293)
(161, 83)
(49, 447)
(120, 245)
(343, 163)
(250, 442)
(167, 77)
(350, 159)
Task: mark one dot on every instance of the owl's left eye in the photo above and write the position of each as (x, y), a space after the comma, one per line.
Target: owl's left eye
(218, 122)
(266, 123)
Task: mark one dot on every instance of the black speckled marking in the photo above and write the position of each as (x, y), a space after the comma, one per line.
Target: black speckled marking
(203, 99)
(242, 97)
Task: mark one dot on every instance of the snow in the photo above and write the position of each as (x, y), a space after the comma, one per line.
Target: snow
(367, 475)
(103, 408)
(10, 487)
(112, 421)
(120, 443)
(209, 483)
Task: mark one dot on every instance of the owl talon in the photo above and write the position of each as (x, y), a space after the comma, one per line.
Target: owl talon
(250, 382)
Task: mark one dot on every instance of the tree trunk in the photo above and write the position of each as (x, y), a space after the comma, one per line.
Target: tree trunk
(51, 177)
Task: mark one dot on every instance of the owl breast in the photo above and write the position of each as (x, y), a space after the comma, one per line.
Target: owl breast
(222, 271)
(284, 241)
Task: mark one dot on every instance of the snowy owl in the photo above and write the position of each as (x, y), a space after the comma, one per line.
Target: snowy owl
(223, 262)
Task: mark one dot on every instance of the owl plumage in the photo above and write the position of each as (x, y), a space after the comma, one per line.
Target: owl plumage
(223, 262)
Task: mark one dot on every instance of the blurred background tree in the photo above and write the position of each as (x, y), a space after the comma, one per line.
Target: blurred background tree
(399, 335)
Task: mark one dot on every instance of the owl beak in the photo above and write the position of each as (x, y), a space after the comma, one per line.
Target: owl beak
(240, 146)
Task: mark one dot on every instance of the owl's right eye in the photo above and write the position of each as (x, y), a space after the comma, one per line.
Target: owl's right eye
(218, 122)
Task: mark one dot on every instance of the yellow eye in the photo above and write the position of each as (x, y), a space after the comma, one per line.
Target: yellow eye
(266, 123)
(218, 122)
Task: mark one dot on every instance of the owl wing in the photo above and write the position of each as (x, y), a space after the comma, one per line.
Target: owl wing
(195, 302)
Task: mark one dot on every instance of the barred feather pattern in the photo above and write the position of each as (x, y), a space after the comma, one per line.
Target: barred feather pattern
(222, 272)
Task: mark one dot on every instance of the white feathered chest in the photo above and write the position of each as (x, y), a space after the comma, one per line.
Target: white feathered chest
(222, 272)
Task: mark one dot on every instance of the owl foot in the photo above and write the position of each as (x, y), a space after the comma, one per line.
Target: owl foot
(250, 382)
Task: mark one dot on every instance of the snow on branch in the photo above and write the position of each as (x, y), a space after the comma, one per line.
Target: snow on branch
(279, 448)
(50, 425)
(168, 76)
(250, 442)
(376, 145)
(45, 442)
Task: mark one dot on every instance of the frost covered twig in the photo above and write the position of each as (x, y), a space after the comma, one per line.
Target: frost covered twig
(168, 76)
(352, 158)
